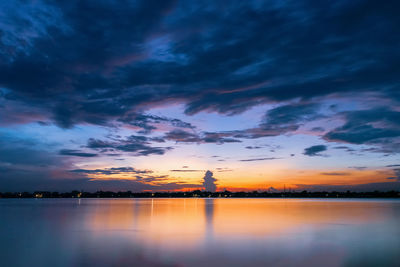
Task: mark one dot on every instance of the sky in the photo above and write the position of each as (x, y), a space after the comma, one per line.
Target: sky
(151, 95)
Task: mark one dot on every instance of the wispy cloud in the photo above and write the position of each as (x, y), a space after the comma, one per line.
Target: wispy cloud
(259, 159)
(110, 171)
(335, 173)
(186, 170)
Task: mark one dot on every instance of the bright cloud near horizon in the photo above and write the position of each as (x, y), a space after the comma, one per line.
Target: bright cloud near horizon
(150, 95)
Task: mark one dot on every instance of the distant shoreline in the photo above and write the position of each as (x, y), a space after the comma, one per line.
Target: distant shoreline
(201, 194)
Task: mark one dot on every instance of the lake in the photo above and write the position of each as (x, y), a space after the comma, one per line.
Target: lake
(199, 232)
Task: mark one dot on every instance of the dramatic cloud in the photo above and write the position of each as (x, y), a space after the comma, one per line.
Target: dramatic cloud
(82, 64)
(372, 126)
(209, 182)
(84, 80)
(314, 150)
(288, 118)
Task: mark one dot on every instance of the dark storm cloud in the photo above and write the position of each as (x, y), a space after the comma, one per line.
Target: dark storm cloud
(67, 62)
(76, 153)
(378, 126)
(288, 117)
(314, 150)
(366, 126)
(139, 145)
(97, 61)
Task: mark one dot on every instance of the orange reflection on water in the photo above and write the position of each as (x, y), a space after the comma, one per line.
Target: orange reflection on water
(152, 220)
(200, 232)
(260, 217)
(187, 222)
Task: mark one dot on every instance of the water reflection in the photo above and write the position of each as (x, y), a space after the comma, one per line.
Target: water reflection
(197, 232)
(209, 215)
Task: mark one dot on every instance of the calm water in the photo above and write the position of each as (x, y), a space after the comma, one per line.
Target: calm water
(199, 232)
